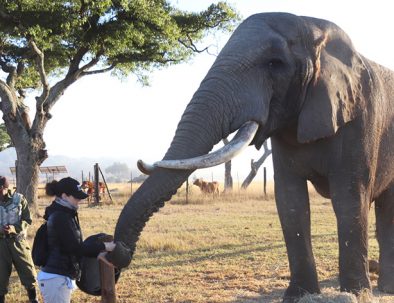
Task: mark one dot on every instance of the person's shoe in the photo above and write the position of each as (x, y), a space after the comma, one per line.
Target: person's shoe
(32, 294)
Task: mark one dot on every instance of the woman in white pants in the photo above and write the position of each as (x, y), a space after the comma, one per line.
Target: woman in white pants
(57, 277)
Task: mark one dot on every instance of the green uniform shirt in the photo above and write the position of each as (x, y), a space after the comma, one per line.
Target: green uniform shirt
(15, 250)
(9, 204)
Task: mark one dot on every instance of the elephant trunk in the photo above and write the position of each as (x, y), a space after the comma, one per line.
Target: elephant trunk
(196, 135)
(148, 199)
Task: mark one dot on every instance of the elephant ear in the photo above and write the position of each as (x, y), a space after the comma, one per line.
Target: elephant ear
(334, 94)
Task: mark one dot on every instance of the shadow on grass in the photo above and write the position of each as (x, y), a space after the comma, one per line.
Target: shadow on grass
(201, 255)
(327, 286)
(211, 253)
(274, 296)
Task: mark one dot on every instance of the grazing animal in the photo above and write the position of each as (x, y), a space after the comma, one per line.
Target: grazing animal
(88, 186)
(207, 187)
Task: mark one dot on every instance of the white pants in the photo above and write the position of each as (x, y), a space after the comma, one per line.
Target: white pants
(55, 290)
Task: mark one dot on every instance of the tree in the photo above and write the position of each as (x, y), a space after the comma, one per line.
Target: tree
(47, 45)
(5, 140)
(228, 178)
(119, 170)
(254, 166)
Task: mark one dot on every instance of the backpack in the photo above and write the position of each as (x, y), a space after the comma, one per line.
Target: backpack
(40, 249)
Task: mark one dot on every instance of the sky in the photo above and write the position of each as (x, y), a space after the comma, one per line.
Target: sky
(139, 122)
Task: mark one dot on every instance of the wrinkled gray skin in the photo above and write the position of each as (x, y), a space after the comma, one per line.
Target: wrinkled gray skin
(329, 113)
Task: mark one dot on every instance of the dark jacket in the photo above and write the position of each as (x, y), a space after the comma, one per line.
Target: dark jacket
(65, 242)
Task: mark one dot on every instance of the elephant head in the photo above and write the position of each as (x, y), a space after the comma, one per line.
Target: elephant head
(274, 73)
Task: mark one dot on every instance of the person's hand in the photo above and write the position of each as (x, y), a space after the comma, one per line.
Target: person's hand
(109, 246)
(101, 257)
(9, 229)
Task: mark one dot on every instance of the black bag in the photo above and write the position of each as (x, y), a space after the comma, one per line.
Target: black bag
(40, 249)
(89, 281)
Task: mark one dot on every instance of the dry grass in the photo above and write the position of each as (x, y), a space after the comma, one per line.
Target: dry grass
(227, 248)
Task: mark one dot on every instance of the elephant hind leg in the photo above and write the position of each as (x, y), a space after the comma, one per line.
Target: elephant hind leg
(384, 211)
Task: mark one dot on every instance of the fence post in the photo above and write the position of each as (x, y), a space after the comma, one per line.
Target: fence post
(96, 184)
(265, 182)
(187, 191)
(105, 183)
(107, 277)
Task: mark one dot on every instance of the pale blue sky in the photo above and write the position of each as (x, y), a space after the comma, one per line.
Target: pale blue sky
(140, 121)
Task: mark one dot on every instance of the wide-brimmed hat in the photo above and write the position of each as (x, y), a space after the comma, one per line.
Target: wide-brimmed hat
(70, 186)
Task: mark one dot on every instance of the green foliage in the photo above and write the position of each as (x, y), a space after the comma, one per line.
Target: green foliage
(5, 140)
(127, 36)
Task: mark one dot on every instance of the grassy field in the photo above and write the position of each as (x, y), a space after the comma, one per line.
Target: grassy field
(224, 249)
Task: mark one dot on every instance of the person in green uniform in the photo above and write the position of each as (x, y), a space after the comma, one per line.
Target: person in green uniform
(14, 248)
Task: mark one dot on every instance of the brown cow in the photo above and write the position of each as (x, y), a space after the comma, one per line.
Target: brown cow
(207, 187)
(88, 186)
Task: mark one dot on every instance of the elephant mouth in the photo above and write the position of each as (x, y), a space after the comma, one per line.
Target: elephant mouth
(241, 140)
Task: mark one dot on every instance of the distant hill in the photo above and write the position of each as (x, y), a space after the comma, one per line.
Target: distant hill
(74, 166)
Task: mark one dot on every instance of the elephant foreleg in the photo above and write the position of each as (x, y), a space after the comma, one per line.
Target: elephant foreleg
(351, 209)
(293, 207)
(384, 210)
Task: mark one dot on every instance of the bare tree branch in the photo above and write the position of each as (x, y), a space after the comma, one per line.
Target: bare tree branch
(90, 64)
(192, 46)
(265, 155)
(41, 70)
(20, 69)
(254, 166)
(7, 17)
(22, 93)
(5, 67)
(55, 93)
(98, 71)
(11, 71)
(7, 106)
(74, 65)
(228, 179)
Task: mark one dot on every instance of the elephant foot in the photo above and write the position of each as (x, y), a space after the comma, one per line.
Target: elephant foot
(365, 296)
(386, 278)
(386, 284)
(288, 299)
(293, 294)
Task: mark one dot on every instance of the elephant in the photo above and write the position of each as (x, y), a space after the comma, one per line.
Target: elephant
(329, 113)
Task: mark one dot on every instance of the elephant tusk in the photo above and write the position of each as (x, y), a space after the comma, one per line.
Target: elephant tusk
(145, 168)
(240, 141)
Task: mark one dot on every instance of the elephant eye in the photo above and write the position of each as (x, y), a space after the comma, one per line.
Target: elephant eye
(275, 63)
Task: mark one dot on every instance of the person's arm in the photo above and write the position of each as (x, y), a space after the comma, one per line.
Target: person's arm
(69, 239)
(92, 250)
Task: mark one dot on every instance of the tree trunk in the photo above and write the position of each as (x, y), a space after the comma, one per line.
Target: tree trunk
(29, 158)
(28, 142)
(228, 179)
(27, 180)
(27, 136)
(254, 166)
